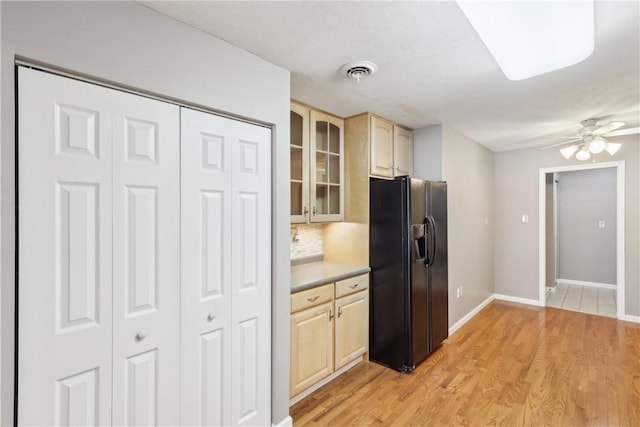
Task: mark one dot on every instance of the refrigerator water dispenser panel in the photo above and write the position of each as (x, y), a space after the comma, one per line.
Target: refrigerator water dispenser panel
(419, 239)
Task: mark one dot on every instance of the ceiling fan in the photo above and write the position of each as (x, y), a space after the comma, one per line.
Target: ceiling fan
(591, 139)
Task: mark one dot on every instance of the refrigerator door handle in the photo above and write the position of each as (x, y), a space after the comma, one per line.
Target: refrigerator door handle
(431, 232)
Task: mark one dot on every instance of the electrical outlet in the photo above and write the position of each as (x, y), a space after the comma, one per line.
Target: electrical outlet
(457, 292)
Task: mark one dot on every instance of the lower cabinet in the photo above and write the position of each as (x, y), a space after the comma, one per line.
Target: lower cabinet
(312, 346)
(329, 329)
(351, 328)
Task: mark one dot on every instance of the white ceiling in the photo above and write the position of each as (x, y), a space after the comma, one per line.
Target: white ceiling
(432, 67)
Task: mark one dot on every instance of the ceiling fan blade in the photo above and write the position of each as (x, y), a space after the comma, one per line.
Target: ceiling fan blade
(608, 127)
(561, 143)
(628, 131)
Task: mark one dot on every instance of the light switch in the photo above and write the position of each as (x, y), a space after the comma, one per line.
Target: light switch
(525, 218)
(600, 224)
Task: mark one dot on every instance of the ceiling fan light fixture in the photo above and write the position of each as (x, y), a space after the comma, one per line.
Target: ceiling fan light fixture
(597, 145)
(592, 138)
(583, 154)
(567, 152)
(612, 147)
(531, 38)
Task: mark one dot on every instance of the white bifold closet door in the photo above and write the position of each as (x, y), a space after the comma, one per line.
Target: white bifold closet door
(99, 255)
(226, 271)
(144, 260)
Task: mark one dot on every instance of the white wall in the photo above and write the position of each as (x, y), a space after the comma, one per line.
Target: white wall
(127, 43)
(468, 170)
(441, 153)
(427, 153)
(585, 251)
(516, 193)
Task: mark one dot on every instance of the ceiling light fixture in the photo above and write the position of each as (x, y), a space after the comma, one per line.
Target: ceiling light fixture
(531, 38)
(583, 154)
(359, 69)
(612, 147)
(590, 146)
(567, 152)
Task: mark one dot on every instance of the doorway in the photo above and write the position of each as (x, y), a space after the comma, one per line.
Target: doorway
(584, 287)
(581, 241)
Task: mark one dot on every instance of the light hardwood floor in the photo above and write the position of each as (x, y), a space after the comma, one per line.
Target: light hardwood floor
(511, 365)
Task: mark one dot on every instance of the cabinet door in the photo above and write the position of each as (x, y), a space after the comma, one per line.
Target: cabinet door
(381, 148)
(299, 147)
(311, 346)
(327, 167)
(352, 328)
(402, 149)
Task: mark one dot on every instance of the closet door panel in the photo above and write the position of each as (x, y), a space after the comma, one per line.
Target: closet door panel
(146, 245)
(251, 274)
(206, 356)
(64, 255)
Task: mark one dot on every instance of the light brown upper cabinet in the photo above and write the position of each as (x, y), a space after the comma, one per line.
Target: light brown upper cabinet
(390, 149)
(317, 166)
(299, 163)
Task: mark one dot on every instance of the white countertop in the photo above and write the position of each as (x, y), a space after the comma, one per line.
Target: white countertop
(307, 276)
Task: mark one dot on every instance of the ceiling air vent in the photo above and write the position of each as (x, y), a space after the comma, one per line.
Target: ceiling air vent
(358, 69)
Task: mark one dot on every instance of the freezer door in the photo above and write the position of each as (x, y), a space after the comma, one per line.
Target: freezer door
(388, 257)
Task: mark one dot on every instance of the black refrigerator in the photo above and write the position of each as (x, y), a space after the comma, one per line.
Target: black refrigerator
(408, 313)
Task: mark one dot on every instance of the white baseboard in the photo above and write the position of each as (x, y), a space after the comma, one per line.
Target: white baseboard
(510, 298)
(588, 284)
(298, 397)
(630, 318)
(470, 314)
(287, 422)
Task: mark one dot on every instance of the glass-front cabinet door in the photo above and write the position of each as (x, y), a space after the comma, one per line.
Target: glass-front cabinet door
(299, 163)
(327, 167)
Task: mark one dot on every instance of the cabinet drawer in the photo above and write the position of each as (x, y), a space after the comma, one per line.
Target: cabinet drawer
(311, 297)
(351, 285)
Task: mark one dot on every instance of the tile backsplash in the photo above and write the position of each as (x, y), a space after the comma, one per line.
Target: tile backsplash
(305, 240)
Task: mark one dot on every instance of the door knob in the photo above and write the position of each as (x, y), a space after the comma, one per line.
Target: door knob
(211, 316)
(141, 335)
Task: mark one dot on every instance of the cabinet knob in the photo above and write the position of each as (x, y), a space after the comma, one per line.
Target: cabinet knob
(211, 316)
(142, 334)
(354, 286)
(314, 211)
(313, 299)
(339, 311)
(330, 315)
(305, 211)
